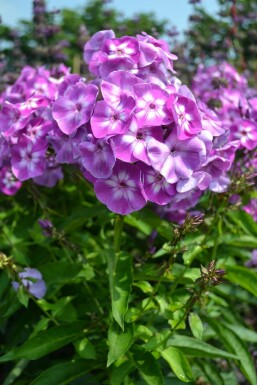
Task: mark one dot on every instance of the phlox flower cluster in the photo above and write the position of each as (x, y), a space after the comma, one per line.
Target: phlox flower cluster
(134, 131)
(235, 103)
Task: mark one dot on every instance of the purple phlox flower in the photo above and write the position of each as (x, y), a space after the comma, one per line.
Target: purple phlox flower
(28, 158)
(37, 129)
(123, 191)
(148, 54)
(15, 93)
(98, 59)
(67, 147)
(251, 208)
(219, 184)
(154, 73)
(186, 113)
(132, 145)
(9, 185)
(210, 120)
(207, 138)
(108, 66)
(32, 280)
(11, 119)
(98, 157)
(176, 209)
(108, 120)
(124, 47)
(68, 81)
(96, 42)
(75, 108)
(156, 188)
(199, 179)
(162, 48)
(216, 165)
(53, 173)
(151, 105)
(228, 151)
(246, 131)
(176, 158)
(253, 107)
(116, 84)
(4, 150)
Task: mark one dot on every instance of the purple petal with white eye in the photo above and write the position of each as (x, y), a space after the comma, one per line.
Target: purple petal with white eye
(123, 47)
(151, 105)
(28, 159)
(98, 158)
(96, 42)
(75, 108)
(186, 116)
(132, 145)
(117, 84)
(122, 192)
(156, 188)
(198, 179)
(9, 185)
(111, 121)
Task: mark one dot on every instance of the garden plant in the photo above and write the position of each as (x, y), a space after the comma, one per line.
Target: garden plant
(128, 243)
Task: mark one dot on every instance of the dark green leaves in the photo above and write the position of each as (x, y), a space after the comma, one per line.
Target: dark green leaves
(119, 341)
(45, 342)
(244, 277)
(149, 368)
(178, 363)
(62, 374)
(120, 276)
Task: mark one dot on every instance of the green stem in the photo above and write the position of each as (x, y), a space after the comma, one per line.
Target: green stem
(16, 372)
(118, 226)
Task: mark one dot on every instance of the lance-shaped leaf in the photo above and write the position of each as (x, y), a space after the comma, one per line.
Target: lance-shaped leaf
(149, 368)
(119, 341)
(64, 373)
(178, 363)
(196, 325)
(120, 277)
(244, 277)
(45, 342)
(197, 348)
(234, 344)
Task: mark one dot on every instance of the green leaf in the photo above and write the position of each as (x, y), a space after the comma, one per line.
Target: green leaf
(138, 224)
(149, 368)
(157, 340)
(196, 325)
(191, 253)
(244, 277)
(244, 220)
(197, 348)
(45, 342)
(60, 272)
(119, 341)
(120, 276)
(62, 374)
(178, 363)
(22, 296)
(240, 241)
(119, 373)
(85, 349)
(236, 345)
(242, 332)
(212, 372)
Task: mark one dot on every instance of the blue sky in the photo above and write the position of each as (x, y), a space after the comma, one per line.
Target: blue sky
(177, 11)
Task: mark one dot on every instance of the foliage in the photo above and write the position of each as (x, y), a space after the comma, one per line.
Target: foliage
(135, 299)
(162, 326)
